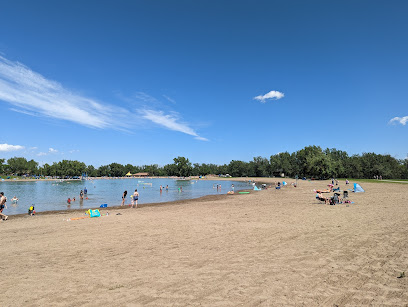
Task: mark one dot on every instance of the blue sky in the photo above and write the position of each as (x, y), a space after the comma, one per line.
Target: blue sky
(142, 82)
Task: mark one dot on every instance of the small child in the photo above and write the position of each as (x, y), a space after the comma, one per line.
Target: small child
(31, 210)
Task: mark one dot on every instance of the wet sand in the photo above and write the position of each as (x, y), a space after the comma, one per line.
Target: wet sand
(266, 248)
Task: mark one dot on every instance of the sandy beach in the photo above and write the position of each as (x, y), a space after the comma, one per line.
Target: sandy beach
(266, 248)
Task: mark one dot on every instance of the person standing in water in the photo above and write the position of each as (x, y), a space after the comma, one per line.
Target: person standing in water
(135, 198)
(124, 197)
(81, 195)
(85, 191)
(3, 205)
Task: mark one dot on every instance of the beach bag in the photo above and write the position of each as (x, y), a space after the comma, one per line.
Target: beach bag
(94, 213)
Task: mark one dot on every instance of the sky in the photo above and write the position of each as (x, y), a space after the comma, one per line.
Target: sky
(143, 82)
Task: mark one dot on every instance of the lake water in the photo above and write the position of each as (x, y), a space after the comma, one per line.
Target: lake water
(52, 195)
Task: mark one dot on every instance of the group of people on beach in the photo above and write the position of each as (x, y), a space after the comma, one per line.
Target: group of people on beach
(133, 199)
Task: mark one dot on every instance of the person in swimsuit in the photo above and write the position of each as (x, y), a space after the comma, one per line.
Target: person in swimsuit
(81, 195)
(124, 197)
(3, 205)
(135, 198)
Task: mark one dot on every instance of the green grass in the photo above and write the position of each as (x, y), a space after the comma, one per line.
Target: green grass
(352, 180)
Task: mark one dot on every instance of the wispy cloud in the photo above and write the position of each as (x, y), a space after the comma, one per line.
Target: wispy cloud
(272, 95)
(31, 93)
(7, 147)
(52, 150)
(40, 154)
(144, 97)
(169, 99)
(73, 151)
(401, 120)
(170, 121)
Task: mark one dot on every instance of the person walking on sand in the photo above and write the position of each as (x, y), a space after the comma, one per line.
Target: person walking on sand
(124, 198)
(3, 205)
(135, 198)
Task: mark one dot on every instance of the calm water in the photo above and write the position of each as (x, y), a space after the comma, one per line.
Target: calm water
(51, 195)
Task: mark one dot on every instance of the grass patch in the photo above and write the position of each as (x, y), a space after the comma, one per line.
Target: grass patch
(354, 180)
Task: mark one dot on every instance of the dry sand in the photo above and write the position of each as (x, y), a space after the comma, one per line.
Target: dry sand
(268, 248)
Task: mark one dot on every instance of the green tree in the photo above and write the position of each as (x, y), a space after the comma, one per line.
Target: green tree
(183, 166)
(2, 166)
(117, 170)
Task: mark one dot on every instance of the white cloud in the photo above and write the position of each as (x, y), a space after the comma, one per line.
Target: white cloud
(31, 93)
(273, 95)
(7, 147)
(401, 120)
(170, 122)
(74, 150)
(169, 99)
(41, 154)
(52, 150)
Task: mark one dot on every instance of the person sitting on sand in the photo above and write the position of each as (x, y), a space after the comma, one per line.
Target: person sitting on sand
(320, 197)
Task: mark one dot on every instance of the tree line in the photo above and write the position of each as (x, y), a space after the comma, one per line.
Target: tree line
(311, 161)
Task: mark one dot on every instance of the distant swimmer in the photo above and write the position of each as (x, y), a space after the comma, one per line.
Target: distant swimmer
(14, 200)
(69, 201)
(167, 187)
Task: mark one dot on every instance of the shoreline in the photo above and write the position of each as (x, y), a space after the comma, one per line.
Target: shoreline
(205, 198)
(211, 197)
(65, 211)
